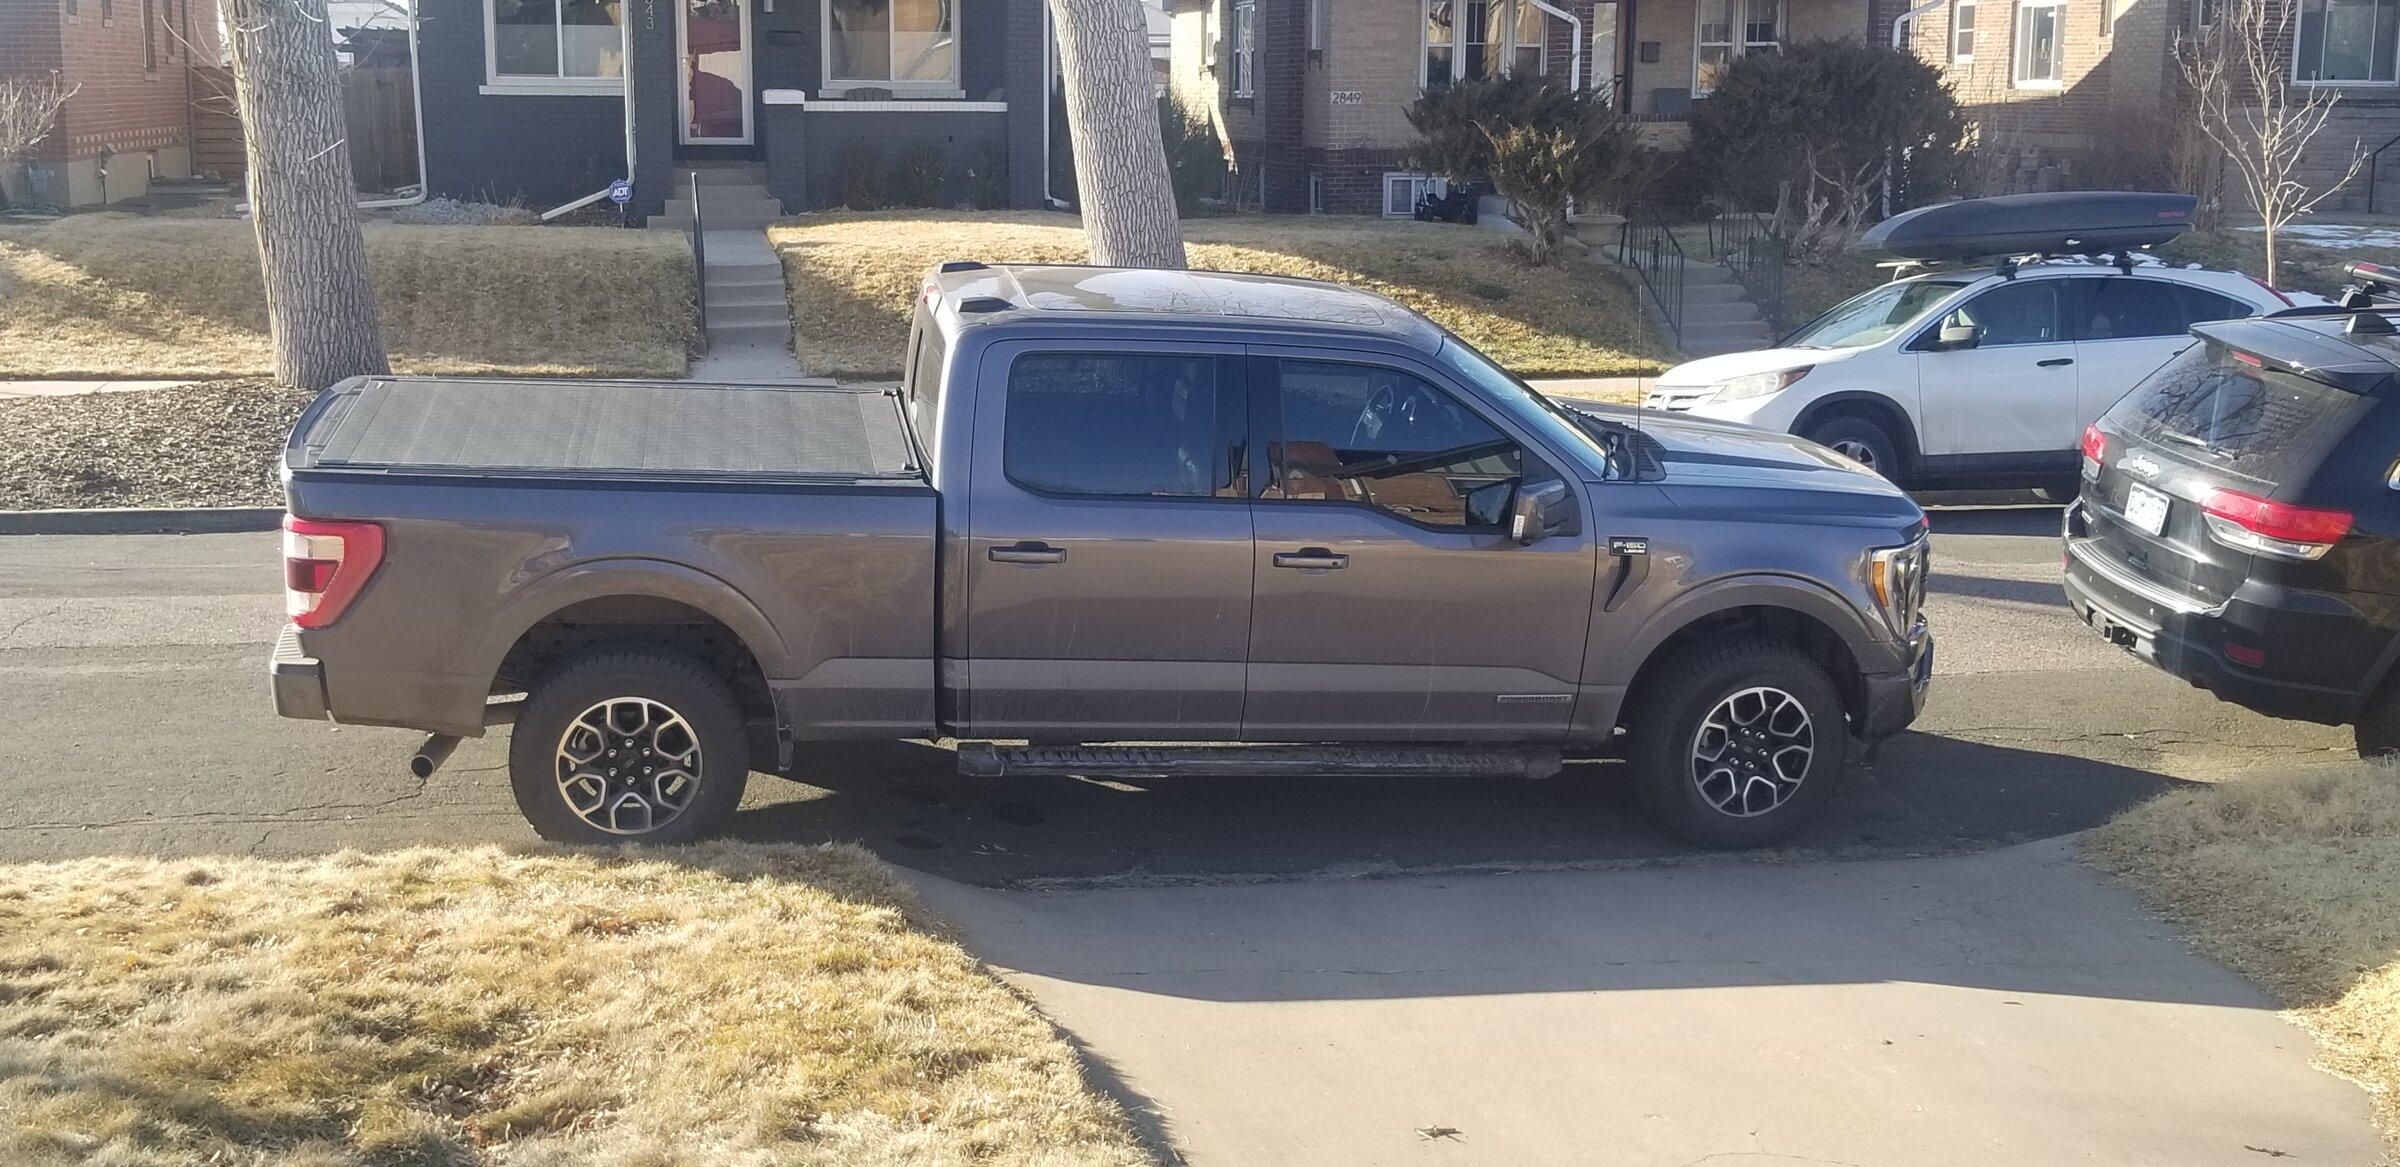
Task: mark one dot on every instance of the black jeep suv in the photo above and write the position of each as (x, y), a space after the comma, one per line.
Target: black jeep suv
(2239, 519)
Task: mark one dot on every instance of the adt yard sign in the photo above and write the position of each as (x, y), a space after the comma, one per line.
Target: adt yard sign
(620, 192)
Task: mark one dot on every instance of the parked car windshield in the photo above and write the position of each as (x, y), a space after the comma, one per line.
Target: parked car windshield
(1871, 317)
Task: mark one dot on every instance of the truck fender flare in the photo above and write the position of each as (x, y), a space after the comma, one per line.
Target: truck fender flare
(602, 578)
(1762, 590)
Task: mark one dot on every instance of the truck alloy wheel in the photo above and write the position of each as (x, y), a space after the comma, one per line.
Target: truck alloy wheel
(628, 765)
(1753, 751)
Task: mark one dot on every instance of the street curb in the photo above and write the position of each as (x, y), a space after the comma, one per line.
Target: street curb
(141, 521)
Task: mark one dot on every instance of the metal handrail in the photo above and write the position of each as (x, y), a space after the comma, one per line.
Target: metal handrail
(2372, 157)
(1648, 246)
(1748, 244)
(699, 252)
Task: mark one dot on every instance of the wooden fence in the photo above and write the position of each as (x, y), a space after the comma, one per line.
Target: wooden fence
(216, 126)
(377, 106)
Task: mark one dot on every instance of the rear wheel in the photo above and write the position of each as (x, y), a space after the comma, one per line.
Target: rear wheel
(1737, 743)
(1861, 440)
(629, 745)
(2378, 728)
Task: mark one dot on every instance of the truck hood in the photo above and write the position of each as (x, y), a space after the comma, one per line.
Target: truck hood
(1698, 451)
(1711, 370)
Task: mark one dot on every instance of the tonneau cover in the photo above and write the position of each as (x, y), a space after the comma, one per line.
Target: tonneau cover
(637, 429)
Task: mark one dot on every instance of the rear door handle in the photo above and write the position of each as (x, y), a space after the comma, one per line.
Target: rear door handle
(1316, 558)
(2054, 362)
(1028, 553)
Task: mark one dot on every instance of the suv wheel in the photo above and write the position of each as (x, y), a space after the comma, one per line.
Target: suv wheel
(2378, 728)
(629, 745)
(1737, 743)
(1860, 440)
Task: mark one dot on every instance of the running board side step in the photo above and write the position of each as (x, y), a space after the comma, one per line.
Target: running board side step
(985, 760)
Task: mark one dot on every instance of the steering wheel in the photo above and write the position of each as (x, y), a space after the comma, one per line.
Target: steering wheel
(1389, 412)
(1374, 418)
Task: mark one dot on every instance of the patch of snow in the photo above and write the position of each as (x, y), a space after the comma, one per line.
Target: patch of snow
(2341, 236)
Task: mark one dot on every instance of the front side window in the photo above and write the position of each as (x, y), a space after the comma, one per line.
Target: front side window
(538, 40)
(2022, 312)
(1962, 31)
(2346, 40)
(1121, 425)
(2040, 63)
(1385, 438)
(1480, 40)
(891, 41)
(1245, 47)
(1729, 29)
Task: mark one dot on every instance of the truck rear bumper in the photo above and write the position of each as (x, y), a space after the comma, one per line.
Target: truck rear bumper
(299, 679)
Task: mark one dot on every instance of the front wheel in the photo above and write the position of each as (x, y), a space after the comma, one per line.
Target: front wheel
(1737, 743)
(1860, 440)
(629, 745)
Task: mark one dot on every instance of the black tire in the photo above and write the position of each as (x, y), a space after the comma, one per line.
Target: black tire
(711, 722)
(1664, 725)
(2378, 730)
(1864, 441)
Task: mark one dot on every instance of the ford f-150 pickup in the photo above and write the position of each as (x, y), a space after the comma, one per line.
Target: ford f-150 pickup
(1254, 525)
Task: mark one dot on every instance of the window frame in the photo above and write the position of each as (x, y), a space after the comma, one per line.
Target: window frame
(1418, 182)
(559, 82)
(1968, 29)
(1505, 52)
(1264, 387)
(831, 86)
(2300, 18)
(1234, 420)
(1243, 50)
(1924, 340)
(2020, 43)
(1741, 46)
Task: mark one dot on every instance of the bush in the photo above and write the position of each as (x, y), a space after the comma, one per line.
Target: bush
(1813, 131)
(915, 179)
(1541, 145)
(862, 177)
(986, 178)
(1195, 158)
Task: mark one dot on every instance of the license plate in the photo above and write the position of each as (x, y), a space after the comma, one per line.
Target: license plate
(2145, 509)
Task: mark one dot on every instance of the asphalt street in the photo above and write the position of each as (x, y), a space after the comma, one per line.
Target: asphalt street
(134, 671)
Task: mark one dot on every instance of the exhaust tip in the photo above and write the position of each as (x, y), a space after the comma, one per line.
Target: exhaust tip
(430, 756)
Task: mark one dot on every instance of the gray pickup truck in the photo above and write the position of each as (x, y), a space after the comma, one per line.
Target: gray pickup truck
(1253, 525)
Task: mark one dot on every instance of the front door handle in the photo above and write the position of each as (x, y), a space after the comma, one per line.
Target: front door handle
(2054, 362)
(1311, 558)
(1029, 553)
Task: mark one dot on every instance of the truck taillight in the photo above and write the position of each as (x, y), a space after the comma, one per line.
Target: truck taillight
(325, 563)
(2095, 444)
(2273, 528)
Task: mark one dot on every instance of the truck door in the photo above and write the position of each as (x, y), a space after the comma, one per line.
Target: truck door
(1391, 602)
(1108, 573)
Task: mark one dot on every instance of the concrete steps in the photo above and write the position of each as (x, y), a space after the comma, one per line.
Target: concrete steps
(1718, 316)
(733, 196)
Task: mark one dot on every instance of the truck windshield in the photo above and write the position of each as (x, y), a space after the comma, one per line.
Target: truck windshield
(1611, 452)
(1873, 316)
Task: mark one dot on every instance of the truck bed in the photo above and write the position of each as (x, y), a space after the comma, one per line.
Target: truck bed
(605, 429)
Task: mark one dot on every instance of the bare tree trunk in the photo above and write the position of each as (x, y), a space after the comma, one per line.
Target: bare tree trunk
(320, 306)
(1120, 158)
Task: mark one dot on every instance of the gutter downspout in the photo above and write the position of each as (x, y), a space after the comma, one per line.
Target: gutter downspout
(1575, 41)
(416, 99)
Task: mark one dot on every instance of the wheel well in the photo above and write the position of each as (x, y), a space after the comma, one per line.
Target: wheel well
(646, 620)
(1880, 410)
(1785, 626)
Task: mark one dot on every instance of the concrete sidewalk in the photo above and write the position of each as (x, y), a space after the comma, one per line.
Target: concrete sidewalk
(2000, 1008)
(10, 389)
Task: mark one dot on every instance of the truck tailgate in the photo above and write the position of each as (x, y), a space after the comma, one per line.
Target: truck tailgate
(587, 429)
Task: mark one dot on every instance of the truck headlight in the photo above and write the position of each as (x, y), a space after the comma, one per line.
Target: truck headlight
(1756, 385)
(1896, 578)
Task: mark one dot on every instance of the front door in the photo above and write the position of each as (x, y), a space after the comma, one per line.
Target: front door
(1108, 558)
(2013, 391)
(1391, 604)
(714, 36)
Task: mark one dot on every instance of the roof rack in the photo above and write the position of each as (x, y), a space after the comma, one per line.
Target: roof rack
(2373, 291)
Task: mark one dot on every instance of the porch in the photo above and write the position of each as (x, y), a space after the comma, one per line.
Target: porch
(1675, 49)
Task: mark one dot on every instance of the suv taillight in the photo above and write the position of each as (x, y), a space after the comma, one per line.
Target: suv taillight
(2094, 445)
(325, 563)
(2274, 528)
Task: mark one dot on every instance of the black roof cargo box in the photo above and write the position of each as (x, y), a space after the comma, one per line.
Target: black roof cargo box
(2059, 223)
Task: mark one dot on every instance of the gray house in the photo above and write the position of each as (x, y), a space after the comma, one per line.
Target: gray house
(545, 100)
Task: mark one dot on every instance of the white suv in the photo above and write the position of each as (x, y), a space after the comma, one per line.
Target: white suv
(1980, 376)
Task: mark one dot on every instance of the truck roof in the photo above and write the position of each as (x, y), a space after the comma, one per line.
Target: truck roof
(991, 293)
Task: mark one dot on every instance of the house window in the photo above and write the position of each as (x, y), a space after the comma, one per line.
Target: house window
(1245, 47)
(1401, 192)
(534, 41)
(892, 42)
(70, 9)
(1962, 32)
(1478, 40)
(2346, 41)
(1604, 48)
(2041, 28)
(1729, 29)
(150, 36)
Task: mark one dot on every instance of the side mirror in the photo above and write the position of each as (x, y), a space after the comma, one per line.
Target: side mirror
(1957, 336)
(1539, 511)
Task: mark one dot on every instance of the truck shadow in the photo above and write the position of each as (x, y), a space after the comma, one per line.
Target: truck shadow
(1920, 793)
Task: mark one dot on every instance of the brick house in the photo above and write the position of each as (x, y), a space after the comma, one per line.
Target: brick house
(1310, 94)
(130, 120)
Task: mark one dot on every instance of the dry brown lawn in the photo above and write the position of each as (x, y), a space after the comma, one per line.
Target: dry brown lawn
(213, 444)
(854, 278)
(725, 1006)
(2295, 882)
(111, 295)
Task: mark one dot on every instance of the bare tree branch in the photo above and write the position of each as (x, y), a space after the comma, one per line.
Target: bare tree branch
(2246, 103)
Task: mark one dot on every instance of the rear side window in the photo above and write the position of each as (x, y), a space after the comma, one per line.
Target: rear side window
(2126, 307)
(2266, 425)
(921, 384)
(2200, 306)
(1122, 425)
